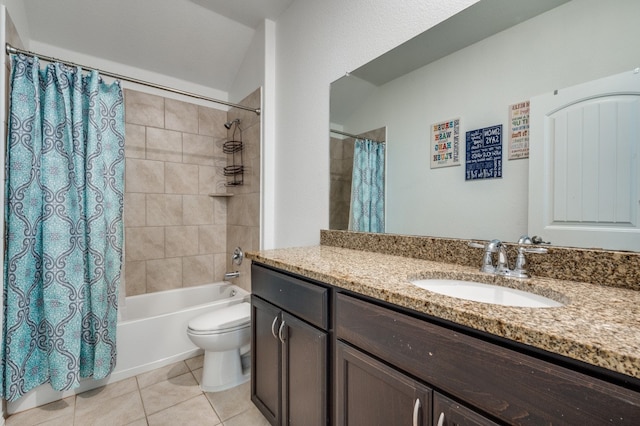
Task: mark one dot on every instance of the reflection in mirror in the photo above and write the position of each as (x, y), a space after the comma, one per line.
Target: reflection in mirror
(554, 48)
(342, 147)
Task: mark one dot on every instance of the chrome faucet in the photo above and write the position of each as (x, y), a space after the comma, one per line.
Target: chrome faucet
(487, 260)
(502, 261)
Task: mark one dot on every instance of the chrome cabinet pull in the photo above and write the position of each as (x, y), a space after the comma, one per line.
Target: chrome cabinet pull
(280, 330)
(441, 420)
(416, 412)
(273, 327)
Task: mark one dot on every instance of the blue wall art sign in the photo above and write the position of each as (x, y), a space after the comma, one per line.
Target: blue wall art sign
(484, 153)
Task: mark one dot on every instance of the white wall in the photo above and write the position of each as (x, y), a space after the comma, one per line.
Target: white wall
(577, 42)
(258, 70)
(318, 42)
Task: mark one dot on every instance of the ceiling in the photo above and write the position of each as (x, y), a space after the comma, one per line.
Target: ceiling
(199, 41)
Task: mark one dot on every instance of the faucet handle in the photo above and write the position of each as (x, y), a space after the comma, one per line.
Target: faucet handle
(520, 271)
(490, 247)
(534, 250)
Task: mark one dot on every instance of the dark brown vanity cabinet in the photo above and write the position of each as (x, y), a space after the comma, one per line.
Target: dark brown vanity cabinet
(369, 393)
(289, 348)
(473, 381)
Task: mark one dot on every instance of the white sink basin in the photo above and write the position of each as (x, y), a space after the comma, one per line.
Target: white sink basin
(486, 293)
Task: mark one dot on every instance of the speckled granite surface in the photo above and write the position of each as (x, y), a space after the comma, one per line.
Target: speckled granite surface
(605, 267)
(598, 324)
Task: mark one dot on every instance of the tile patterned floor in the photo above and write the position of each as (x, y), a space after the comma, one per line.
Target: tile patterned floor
(166, 396)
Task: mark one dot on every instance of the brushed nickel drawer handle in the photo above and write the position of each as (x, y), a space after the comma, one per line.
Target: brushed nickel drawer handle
(416, 412)
(280, 330)
(441, 420)
(273, 327)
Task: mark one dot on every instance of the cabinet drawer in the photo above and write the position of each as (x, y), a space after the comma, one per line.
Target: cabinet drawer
(449, 413)
(511, 386)
(307, 301)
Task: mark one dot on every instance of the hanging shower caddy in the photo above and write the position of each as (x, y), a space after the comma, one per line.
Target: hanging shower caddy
(234, 148)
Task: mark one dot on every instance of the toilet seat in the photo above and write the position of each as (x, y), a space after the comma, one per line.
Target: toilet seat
(223, 320)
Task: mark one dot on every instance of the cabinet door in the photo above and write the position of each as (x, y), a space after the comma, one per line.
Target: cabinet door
(370, 393)
(305, 373)
(265, 359)
(449, 413)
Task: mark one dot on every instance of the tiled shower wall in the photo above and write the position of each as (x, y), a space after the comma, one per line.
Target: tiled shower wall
(243, 212)
(175, 233)
(341, 164)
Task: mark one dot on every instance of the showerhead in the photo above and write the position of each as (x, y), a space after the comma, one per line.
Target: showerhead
(228, 124)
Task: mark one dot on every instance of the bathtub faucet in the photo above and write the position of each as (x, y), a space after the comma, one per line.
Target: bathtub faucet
(231, 275)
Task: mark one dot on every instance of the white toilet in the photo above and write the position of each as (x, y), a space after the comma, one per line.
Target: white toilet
(222, 334)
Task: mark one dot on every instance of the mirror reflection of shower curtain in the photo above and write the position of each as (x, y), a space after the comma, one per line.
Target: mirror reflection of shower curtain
(366, 212)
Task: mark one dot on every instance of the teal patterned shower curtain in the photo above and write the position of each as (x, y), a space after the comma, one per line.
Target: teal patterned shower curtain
(63, 213)
(367, 187)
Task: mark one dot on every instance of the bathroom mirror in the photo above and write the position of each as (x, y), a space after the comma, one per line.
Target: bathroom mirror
(473, 67)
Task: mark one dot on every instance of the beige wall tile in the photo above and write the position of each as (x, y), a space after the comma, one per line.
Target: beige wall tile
(198, 209)
(198, 149)
(135, 277)
(144, 243)
(197, 270)
(220, 266)
(206, 181)
(164, 274)
(144, 176)
(181, 241)
(220, 210)
(134, 209)
(164, 145)
(164, 209)
(181, 116)
(239, 236)
(143, 108)
(243, 210)
(135, 140)
(212, 239)
(181, 178)
(211, 122)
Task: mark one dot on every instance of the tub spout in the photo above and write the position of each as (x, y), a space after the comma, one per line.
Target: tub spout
(231, 275)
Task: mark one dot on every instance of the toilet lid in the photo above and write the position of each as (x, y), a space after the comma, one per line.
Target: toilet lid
(222, 319)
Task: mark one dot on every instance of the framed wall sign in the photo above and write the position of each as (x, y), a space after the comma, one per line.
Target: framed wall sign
(445, 141)
(484, 153)
(519, 130)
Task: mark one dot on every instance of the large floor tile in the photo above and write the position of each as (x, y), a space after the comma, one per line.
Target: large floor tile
(121, 410)
(195, 411)
(231, 402)
(46, 413)
(250, 417)
(195, 362)
(92, 399)
(162, 374)
(169, 393)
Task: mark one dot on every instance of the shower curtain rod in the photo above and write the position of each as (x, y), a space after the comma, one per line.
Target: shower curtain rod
(352, 136)
(14, 50)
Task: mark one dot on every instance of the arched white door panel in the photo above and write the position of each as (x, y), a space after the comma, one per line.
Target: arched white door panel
(584, 188)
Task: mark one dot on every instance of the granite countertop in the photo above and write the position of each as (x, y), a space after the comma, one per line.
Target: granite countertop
(599, 325)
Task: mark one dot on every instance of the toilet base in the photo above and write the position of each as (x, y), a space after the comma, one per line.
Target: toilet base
(222, 371)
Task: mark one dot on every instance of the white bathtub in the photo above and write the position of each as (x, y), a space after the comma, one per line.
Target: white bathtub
(151, 334)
